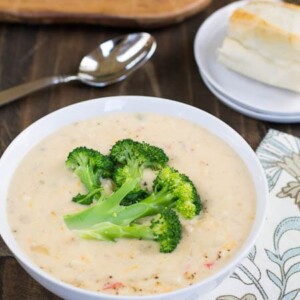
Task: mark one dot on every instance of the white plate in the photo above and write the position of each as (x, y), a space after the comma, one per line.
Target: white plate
(248, 112)
(247, 93)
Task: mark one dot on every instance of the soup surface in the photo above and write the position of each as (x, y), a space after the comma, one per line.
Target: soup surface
(42, 189)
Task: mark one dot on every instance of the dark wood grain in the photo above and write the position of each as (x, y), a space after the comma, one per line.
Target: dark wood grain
(30, 52)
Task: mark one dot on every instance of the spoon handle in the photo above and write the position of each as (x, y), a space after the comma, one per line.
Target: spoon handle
(22, 90)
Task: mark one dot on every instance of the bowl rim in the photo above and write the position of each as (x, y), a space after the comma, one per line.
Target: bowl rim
(115, 104)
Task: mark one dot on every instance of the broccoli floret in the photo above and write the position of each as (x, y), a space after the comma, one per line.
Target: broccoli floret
(133, 158)
(165, 229)
(137, 194)
(87, 199)
(89, 165)
(170, 189)
(171, 184)
(133, 154)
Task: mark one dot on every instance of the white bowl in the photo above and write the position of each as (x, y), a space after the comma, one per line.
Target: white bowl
(88, 109)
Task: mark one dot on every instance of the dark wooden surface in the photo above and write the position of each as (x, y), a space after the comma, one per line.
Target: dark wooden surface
(30, 52)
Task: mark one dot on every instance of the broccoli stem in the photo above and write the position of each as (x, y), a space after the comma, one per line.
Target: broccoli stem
(88, 198)
(88, 177)
(165, 229)
(150, 206)
(111, 210)
(105, 210)
(107, 231)
(159, 200)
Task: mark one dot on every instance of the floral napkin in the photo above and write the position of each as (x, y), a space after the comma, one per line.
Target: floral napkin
(271, 271)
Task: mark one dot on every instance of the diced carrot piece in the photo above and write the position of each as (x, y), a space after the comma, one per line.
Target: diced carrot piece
(209, 265)
(115, 285)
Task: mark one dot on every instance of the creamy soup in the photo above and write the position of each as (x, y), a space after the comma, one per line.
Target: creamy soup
(42, 189)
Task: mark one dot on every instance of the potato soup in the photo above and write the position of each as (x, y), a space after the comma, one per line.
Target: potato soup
(42, 188)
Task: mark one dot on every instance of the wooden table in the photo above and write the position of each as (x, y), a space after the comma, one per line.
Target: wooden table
(28, 52)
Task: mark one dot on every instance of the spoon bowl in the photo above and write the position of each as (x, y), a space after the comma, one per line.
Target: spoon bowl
(112, 61)
(116, 59)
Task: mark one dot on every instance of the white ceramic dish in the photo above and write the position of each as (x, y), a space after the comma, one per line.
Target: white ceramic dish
(247, 93)
(248, 112)
(88, 109)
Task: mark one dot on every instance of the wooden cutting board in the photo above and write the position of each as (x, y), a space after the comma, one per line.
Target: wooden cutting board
(128, 13)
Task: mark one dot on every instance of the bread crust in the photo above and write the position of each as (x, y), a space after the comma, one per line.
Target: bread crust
(255, 39)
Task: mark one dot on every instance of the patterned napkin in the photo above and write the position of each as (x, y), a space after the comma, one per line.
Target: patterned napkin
(271, 271)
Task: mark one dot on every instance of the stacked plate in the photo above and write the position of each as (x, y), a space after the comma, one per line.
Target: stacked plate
(247, 96)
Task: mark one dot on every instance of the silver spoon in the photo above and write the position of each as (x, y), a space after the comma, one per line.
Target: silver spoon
(110, 62)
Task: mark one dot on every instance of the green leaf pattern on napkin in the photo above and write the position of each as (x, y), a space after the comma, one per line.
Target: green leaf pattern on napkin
(246, 297)
(279, 154)
(281, 259)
